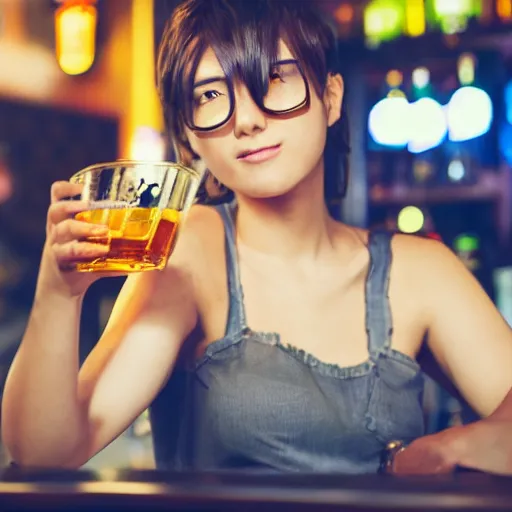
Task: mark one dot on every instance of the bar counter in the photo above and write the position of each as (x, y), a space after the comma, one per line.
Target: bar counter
(33, 490)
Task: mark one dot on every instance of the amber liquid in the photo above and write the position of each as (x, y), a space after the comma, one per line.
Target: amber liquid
(140, 239)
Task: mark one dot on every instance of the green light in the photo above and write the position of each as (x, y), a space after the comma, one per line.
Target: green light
(466, 243)
(452, 15)
(453, 8)
(384, 19)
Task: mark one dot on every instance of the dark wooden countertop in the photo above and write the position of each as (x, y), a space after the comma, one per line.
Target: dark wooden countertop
(155, 490)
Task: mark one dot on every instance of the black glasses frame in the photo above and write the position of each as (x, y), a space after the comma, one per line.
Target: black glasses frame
(231, 95)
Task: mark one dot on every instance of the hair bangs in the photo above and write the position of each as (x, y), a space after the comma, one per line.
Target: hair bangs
(245, 36)
(310, 37)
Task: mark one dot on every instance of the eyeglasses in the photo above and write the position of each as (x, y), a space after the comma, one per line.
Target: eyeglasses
(212, 101)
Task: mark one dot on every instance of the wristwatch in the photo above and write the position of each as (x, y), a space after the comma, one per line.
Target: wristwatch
(388, 455)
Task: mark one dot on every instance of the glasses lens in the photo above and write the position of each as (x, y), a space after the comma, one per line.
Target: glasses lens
(211, 104)
(287, 88)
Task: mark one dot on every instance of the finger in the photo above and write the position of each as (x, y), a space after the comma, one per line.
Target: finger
(70, 253)
(71, 229)
(62, 210)
(64, 189)
(421, 462)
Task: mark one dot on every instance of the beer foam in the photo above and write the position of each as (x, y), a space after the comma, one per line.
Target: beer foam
(108, 204)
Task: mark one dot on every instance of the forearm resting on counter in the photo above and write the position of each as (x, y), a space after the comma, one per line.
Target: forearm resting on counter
(486, 445)
(42, 421)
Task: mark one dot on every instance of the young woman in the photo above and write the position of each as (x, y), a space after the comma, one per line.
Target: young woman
(276, 338)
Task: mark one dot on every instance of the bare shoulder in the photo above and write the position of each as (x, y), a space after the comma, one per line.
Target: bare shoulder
(428, 256)
(430, 271)
(424, 271)
(201, 224)
(202, 216)
(417, 245)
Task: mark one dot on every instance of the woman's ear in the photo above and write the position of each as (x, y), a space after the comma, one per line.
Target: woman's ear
(333, 97)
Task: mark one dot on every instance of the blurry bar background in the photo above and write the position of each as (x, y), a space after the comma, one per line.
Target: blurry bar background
(429, 85)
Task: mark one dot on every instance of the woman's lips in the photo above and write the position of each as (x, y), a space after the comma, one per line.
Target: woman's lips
(260, 155)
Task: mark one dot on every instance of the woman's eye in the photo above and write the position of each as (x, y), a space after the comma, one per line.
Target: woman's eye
(207, 96)
(275, 76)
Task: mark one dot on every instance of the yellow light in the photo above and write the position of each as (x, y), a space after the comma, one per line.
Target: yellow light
(396, 93)
(504, 9)
(394, 78)
(415, 17)
(75, 35)
(466, 69)
(410, 219)
(144, 115)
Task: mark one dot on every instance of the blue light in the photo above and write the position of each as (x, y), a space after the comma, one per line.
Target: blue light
(424, 124)
(388, 122)
(508, 101)
(469, 114)
(505, 142)
(427, 126)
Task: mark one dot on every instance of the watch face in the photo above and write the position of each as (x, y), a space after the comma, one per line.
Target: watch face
(394, 445)
(388, 455)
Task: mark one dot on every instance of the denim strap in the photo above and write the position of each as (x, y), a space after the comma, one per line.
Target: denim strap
(236, 316)
(379, 325)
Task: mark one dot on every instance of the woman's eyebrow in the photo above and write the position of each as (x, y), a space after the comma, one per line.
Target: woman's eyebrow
(205, 81)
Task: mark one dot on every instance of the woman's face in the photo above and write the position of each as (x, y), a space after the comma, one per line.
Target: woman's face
(294, 142)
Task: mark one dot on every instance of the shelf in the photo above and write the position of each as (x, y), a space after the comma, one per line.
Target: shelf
(431, 196)
(490, 187)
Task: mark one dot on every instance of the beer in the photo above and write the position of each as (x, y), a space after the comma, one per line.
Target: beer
(139, 239)
(143, 205)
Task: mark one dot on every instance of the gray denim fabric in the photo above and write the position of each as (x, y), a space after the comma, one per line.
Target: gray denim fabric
(252, 403)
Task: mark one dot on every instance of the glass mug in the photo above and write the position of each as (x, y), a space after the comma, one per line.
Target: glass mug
(143, 204)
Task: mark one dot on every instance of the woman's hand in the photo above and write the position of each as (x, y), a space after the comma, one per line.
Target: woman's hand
(433, 454)
(485, 445)
(66, 243)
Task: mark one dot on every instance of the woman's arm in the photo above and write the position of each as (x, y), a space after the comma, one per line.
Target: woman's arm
(466, 333)
(55, 414)
(473, 345)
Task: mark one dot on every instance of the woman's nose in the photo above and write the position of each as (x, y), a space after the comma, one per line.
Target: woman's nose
(248, 117)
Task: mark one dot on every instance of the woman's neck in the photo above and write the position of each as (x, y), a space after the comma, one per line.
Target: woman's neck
(296, 224)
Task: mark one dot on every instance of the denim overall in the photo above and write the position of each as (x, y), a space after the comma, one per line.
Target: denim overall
(252, 403)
